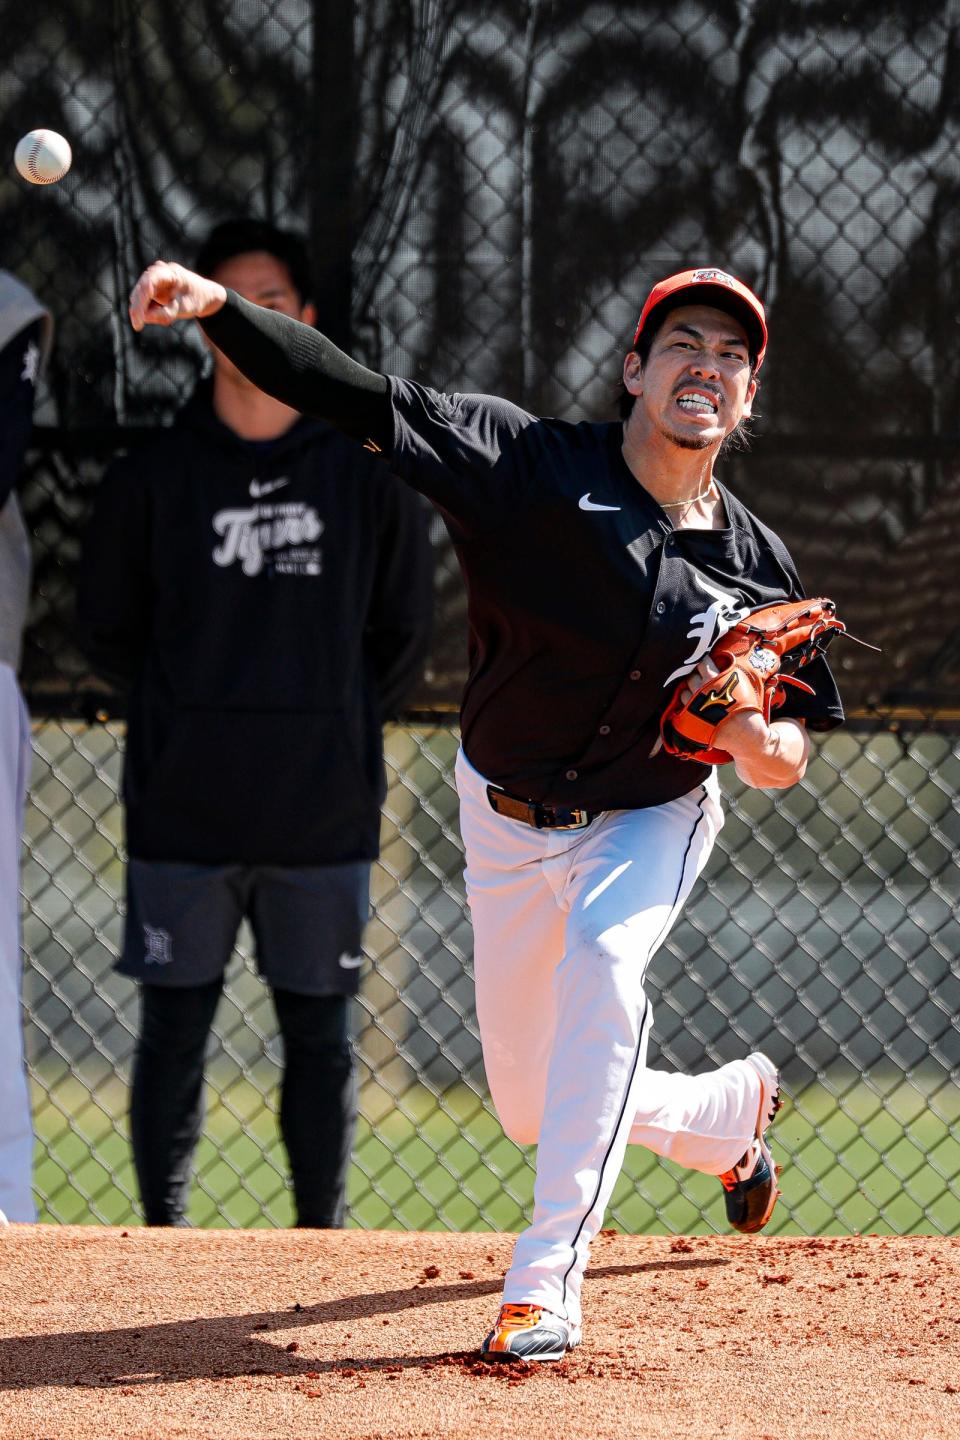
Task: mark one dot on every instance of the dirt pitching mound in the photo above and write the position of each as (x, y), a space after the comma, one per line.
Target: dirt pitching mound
(302, 1334)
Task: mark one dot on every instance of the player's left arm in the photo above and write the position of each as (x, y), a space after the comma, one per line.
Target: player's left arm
(765, 756)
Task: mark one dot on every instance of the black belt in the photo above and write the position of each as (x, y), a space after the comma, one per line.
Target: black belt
(542, 817)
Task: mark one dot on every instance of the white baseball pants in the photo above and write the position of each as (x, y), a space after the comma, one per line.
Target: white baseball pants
(16, 1131)
(565, 923)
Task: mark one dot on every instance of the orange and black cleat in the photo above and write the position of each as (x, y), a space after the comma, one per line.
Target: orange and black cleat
(526, 1332)
(751, 1188)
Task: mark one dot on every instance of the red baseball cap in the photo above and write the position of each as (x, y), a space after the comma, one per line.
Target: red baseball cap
(711, 287)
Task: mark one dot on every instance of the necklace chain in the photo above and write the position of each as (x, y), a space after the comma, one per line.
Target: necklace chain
(690, 500)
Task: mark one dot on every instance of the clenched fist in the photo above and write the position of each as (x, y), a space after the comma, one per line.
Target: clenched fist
(166, 293)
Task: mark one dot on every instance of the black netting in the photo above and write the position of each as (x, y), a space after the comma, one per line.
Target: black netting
(488, 192)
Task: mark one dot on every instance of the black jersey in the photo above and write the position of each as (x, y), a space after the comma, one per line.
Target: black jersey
(585, 605)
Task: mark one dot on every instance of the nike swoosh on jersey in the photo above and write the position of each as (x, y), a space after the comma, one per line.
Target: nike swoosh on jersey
(587, 504)
(351, 962)
(258, 489)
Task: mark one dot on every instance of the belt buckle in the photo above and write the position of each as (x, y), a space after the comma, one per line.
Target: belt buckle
(533, 812)
(580, 821)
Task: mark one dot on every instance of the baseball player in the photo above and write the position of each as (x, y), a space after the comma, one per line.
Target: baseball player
(602, 562)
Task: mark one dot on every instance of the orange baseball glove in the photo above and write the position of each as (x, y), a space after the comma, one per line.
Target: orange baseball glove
(757, 659)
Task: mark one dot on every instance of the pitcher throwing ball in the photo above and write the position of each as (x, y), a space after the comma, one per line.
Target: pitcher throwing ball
(603, 563)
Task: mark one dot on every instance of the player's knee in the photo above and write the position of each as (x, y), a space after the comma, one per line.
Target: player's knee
(614, 958)
(315, 1024)
(520, 1119)
(523, 1133)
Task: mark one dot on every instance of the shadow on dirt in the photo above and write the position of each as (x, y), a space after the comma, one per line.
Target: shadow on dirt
(228, 1346)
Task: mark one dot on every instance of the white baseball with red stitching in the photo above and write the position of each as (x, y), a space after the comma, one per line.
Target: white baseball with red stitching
(43, 157)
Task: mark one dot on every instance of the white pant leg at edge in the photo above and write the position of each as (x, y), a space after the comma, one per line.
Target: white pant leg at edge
(16, 1130)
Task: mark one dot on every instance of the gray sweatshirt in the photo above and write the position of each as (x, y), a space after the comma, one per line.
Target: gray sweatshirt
(19, 308)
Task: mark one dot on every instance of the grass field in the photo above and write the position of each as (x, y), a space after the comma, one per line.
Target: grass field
(863, 1166)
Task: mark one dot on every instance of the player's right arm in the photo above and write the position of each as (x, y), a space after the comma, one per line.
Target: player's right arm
(113, 614)
(282, 356)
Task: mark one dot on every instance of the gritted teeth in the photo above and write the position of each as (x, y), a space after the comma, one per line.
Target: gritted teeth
(699, 400)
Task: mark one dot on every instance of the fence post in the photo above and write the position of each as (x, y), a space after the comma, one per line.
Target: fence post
(332, 149)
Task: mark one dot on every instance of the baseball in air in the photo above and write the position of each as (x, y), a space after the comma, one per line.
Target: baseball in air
(42, 157)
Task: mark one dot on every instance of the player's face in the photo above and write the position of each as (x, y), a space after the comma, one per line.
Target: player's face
(696, 386)
(263, 280)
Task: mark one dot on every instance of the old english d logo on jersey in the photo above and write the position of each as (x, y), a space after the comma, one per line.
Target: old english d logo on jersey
(725, 610)
(720, 699)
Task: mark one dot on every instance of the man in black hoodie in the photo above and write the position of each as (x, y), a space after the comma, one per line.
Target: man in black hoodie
(265, 618)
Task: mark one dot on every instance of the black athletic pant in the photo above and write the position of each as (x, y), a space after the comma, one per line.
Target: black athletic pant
(317, 1106)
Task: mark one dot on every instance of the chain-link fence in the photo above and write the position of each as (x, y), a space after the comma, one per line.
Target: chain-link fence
(488, 192)
(825, 932)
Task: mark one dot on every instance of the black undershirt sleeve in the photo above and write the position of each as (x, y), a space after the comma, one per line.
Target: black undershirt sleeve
(16, 405)
(296, 364)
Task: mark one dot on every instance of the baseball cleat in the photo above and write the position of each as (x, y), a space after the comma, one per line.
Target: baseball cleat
(525, 1332)
(751, 1187)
